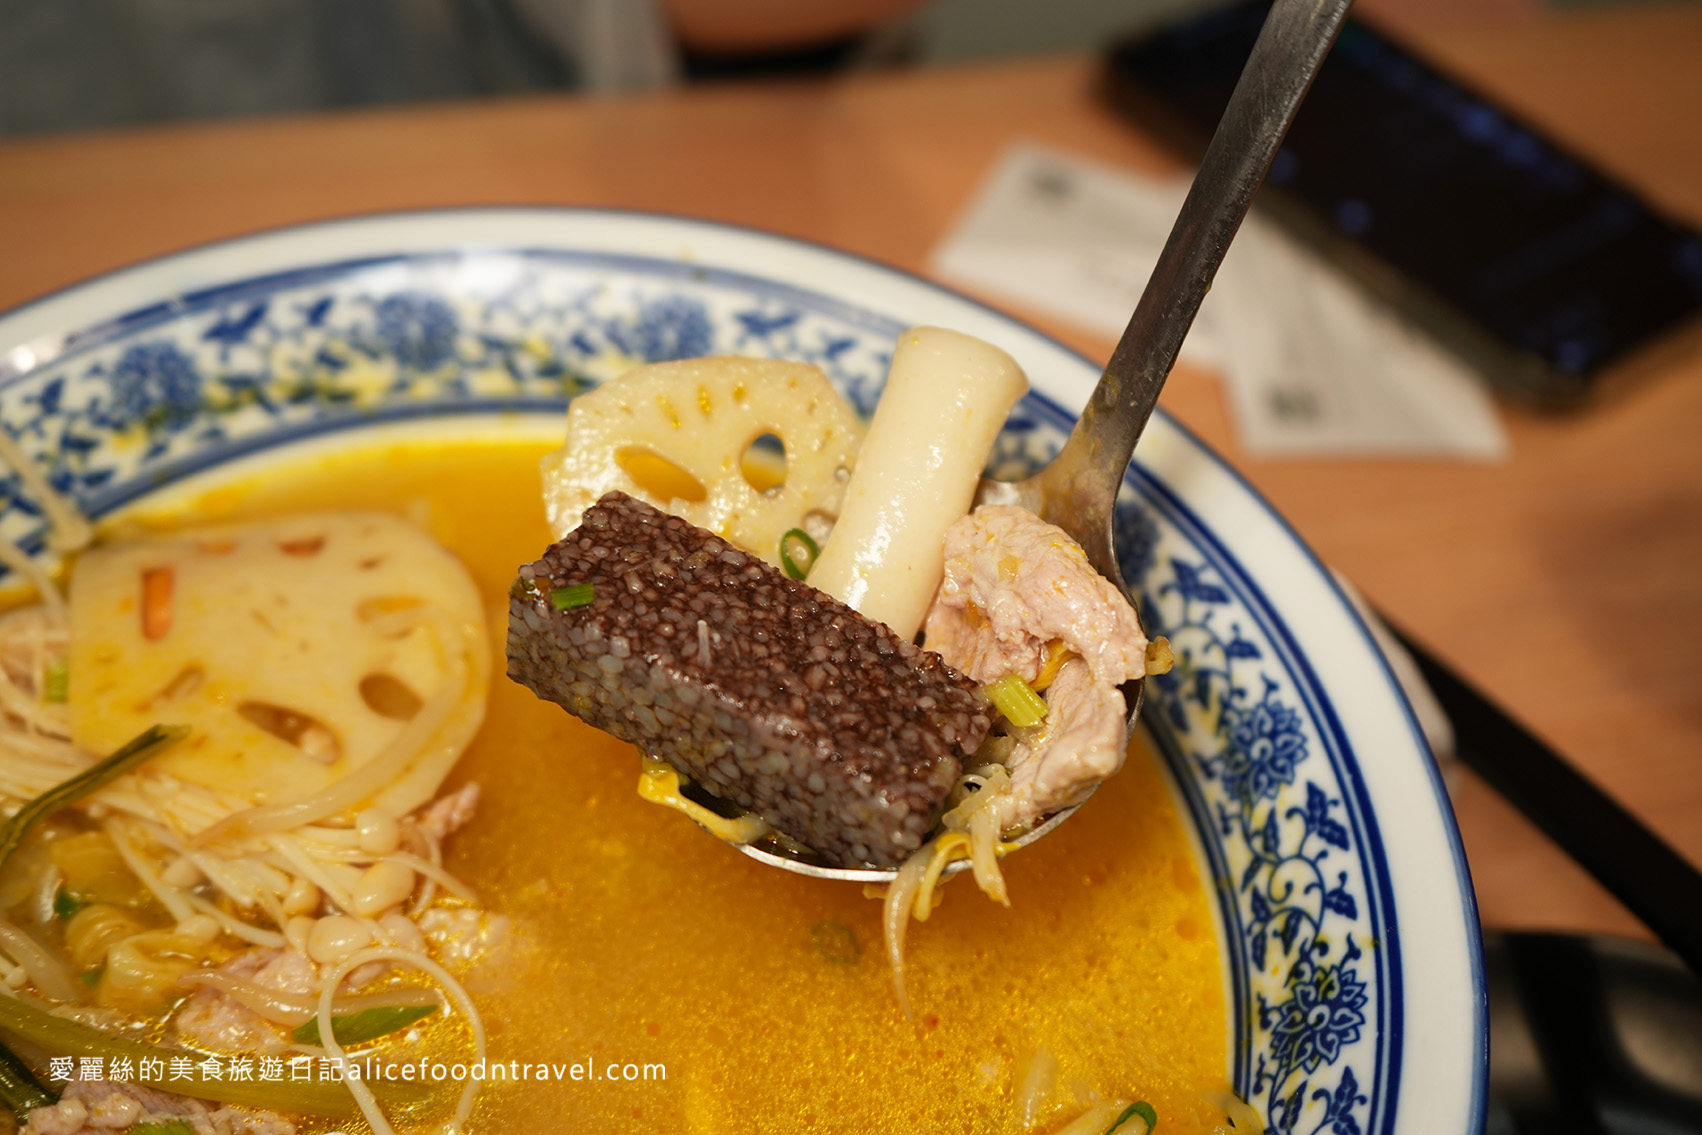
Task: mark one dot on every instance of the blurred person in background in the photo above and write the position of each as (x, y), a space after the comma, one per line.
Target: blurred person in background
(80, 64)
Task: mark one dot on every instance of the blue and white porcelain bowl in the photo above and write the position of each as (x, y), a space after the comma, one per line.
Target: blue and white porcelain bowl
(1352, 961)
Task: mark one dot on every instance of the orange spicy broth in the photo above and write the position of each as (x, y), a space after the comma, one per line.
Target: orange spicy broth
(638, 939)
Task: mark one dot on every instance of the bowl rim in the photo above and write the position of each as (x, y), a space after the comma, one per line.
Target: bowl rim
(34, 334)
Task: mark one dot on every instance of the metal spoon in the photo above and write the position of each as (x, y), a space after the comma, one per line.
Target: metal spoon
(1077, 490)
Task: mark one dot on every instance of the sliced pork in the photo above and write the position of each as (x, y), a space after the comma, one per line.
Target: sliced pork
(1019, 597)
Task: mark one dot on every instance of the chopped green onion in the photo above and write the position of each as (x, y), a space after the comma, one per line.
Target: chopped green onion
(791, 566)
(150, 743)
(19, 1089)
(574, 595)
(1017, 700)
(169, 1127)
(1140, 1108)
(56, 682)
(63, 1037)
(65, 904)
(92, 977)
(368, 1024)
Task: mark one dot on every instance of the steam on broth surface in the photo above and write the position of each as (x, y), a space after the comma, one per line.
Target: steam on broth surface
(765, 996)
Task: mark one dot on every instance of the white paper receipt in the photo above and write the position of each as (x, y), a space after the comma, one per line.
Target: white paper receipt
(1312, 362)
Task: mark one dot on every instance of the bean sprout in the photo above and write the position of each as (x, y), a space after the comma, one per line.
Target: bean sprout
(357, 1088)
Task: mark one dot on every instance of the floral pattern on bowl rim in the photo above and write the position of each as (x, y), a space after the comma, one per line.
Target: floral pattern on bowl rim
(450, 315)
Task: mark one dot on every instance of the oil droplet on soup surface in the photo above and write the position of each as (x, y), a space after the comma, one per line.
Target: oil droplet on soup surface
(640, 941)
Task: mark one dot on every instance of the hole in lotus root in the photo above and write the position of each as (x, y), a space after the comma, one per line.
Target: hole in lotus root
(819, 525)
(315, 741)
(187, 681)
(764, 463)
(660, 477)
(390, 697)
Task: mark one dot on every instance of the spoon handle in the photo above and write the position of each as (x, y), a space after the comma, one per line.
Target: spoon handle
(1292, 44)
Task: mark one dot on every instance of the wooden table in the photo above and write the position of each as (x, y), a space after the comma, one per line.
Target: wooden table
(1567, 582)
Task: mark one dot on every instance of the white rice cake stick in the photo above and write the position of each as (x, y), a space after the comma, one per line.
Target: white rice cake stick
(946, 399)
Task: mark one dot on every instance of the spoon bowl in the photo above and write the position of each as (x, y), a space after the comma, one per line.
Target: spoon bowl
(1077, 490)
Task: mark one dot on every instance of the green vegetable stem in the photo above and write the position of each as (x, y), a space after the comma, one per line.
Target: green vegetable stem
(368, 1024)
(149, 744)
(1017, 700)
(19, 1090)
(57, 682)
(312, 1097)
